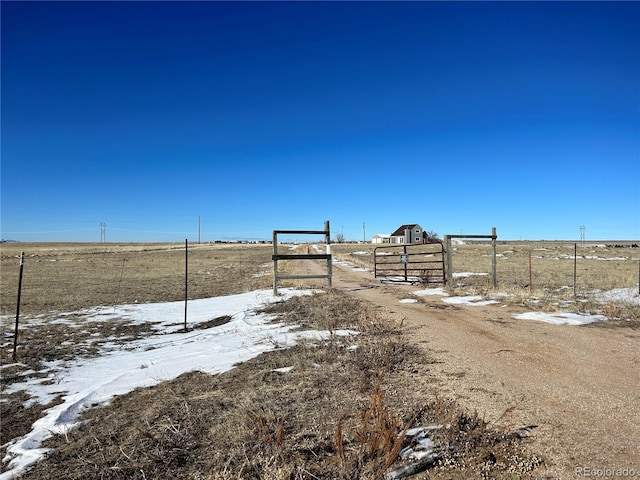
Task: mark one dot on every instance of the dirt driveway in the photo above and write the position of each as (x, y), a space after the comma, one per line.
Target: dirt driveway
(579, 384)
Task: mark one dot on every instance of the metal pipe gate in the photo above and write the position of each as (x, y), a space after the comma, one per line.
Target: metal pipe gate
(423, 263)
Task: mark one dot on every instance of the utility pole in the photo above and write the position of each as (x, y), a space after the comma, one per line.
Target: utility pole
(198, 229)
(364, 233)
(103, 232)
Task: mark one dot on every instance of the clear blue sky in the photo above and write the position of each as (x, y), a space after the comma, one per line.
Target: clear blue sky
(261, 116)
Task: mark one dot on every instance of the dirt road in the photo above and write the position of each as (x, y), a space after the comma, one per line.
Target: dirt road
(579, 384)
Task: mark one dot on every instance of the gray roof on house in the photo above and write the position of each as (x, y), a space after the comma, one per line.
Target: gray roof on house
(400, 231)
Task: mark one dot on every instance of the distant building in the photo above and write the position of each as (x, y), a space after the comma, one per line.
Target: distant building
(408, 234)
(381, 238)
(405, 235)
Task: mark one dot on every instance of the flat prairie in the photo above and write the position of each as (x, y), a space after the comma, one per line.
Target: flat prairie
(510, 398)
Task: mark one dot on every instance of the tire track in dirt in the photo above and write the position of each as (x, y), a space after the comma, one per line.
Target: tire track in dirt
(579, 385)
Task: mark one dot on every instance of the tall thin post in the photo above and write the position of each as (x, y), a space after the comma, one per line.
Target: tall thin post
(186, 280)
(198, 229)
(327, 237)
(530, 273)
(275, 263)
(447, 246)
(575, 267)
(15, 334)
(494, 269)
(405, 260)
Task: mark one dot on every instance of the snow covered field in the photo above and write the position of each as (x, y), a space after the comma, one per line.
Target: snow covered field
(165, 355)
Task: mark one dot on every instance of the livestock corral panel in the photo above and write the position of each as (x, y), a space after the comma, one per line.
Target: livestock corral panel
(424, 263)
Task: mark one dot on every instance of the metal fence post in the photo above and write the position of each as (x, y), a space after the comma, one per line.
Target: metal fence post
(328, 251)
(494, 268)
(15, 335)
(275, 263)
(186, 280)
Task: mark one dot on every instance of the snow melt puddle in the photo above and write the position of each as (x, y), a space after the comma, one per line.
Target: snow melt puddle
(85, 383)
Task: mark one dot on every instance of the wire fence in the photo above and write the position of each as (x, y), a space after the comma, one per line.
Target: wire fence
(68, 278)
(532, 265)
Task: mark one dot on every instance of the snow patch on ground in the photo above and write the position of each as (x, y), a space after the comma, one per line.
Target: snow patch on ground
(620, 295)
(468, 274)
(431, 291)
(560, 318)
(473, 300)
(164, 355)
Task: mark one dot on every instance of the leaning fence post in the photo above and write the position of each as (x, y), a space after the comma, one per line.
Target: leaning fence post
(15, 334)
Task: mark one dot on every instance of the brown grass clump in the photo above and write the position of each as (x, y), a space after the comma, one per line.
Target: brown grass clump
(340, 413)
(620, 315)
(334, 310)
(375, 441)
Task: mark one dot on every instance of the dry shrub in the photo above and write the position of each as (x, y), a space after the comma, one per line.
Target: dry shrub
(467, 443)
(620, 315)
(375, 441)
(270, 428)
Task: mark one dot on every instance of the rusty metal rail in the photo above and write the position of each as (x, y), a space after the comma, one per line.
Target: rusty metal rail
(308, 256)
(424, 263)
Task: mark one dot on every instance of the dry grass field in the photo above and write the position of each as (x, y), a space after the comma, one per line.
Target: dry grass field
(67, 277)
(548, 285)
(339, 421)
(598, 267)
